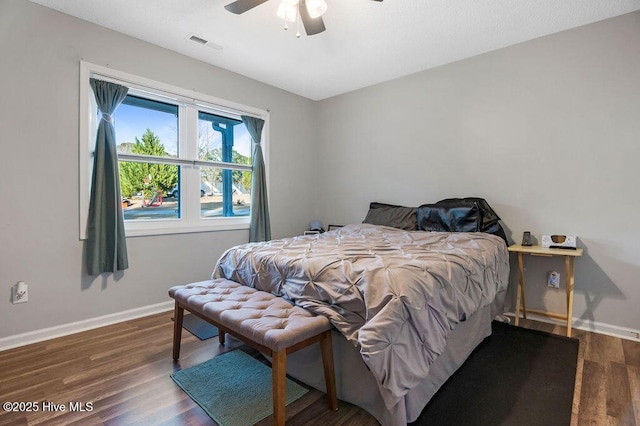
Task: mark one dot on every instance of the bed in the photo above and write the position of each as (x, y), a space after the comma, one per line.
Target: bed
(408, 306)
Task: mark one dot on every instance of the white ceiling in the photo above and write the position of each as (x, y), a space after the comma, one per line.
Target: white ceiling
(366, 42)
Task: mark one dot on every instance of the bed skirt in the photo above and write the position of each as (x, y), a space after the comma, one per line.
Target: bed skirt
(356, 385)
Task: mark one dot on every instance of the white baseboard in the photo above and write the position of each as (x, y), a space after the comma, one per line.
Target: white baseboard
(592, 326)
(23, 339)
(84, 325)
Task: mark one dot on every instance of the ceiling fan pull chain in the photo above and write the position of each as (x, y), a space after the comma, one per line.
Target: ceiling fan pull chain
(298, 21)
(286, 26)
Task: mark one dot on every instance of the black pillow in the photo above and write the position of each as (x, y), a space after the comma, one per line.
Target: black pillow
(392, 215)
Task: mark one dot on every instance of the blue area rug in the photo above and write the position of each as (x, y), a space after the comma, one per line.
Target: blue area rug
(199, 327)
(233, 388)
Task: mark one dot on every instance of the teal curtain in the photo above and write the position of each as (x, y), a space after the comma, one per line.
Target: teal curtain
(106, 244)
(260, 228)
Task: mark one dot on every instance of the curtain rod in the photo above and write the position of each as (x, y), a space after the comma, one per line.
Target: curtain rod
(154, 159)
(178, 96)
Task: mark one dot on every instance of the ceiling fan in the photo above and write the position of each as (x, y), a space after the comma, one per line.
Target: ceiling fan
(309, 11)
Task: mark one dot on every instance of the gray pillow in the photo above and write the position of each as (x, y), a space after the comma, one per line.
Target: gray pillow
(391, 215)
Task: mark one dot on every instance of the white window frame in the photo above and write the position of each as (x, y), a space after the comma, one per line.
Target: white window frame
(189, 102)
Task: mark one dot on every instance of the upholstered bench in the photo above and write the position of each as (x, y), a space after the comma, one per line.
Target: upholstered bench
(265, 322)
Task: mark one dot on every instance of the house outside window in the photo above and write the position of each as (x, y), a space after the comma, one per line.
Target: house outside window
(184, 161)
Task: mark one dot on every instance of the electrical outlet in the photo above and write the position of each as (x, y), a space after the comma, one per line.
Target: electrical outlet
(20, 293)
(553, 279)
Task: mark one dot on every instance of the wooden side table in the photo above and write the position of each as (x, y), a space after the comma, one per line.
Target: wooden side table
(569, 265)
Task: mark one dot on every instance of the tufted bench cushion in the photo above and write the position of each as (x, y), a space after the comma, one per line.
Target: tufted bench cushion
(260, 316)
(264, 321)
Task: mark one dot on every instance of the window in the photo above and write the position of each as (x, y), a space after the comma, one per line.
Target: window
(224, 140)
(147, 128)
(184, 160)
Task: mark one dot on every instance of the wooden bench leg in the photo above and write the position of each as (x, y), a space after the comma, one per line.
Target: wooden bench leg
(329, 375)
(279, 372)
(221, 338)
(178, 314)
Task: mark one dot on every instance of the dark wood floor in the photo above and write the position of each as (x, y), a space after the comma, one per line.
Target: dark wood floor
(607, 388)
(123, 371)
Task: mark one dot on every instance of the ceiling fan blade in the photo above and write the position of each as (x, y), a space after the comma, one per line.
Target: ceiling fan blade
(311, 25)
(241, 6)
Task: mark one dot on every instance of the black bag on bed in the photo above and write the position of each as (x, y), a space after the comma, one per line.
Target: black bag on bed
(469, 214)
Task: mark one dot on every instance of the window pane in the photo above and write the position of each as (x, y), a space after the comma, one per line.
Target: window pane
(144, 126)
(224, 193)
(149, 191)
(223, 139)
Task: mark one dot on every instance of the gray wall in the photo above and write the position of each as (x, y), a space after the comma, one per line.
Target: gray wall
(547, 131)
(40, 50)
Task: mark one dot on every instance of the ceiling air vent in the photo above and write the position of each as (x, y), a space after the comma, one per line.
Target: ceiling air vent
(203, 42)
(198, 40)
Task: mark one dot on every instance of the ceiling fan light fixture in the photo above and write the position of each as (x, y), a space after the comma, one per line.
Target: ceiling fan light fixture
(288, 10)
(316, 8)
